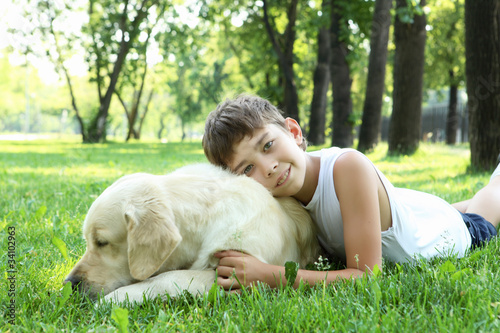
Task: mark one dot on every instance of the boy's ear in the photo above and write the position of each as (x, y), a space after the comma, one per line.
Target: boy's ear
(294, 128)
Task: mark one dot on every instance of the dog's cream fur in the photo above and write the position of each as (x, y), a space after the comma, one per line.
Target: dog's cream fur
(150, 235)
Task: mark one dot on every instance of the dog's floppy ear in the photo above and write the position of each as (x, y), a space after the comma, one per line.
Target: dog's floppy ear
(152, 237)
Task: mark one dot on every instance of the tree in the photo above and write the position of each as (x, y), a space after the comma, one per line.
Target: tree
(133, 77)
(409, 58)
(132, 112)
(284, 51)
(55, 44)
(342, 122)
(254, 64)
(112, 31)
(482, 45)
(58, 59)
(321, 81)
(263, 65)
(14, 90)
(375, 86)
(196, 74)
(445, 53)
(114, 28)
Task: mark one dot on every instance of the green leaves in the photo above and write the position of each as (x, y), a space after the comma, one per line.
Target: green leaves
(406, 14)
(66, 294)
(291, 269)
(59, 243)
(447, 268)
(376, 271)
(120, 316)
(212, 293)
(40, 212)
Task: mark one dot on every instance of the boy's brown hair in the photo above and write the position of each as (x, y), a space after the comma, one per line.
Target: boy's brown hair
(232, 121)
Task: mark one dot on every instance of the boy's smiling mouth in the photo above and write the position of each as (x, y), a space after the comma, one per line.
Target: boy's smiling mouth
(284, 177)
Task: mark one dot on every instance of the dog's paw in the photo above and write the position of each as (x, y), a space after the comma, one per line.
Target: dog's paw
(123, 295)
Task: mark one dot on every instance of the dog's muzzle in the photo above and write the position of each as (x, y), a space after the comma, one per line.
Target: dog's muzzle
(76, 283)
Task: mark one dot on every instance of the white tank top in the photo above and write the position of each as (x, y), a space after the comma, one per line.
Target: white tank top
(423, 225)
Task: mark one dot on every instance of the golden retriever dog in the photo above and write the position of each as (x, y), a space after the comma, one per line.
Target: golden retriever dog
(150, 235)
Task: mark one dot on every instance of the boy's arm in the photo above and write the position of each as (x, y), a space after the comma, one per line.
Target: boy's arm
(357, 189)
(235, 266)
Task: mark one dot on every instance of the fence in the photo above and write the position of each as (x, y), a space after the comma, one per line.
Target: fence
(433, 126)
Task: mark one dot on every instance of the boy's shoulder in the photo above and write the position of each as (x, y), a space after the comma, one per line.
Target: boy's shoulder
(327, 152)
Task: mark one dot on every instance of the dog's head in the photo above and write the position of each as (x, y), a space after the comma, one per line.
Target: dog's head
(129, 232)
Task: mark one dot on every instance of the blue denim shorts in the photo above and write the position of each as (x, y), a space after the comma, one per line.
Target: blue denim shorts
(480, 230)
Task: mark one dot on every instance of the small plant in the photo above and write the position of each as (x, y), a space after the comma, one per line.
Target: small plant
(322, 264)
(291, 269)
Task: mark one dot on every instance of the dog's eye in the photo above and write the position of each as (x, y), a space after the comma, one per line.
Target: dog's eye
(101, 243)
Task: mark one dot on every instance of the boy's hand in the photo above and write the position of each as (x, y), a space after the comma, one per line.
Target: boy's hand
(237, 270)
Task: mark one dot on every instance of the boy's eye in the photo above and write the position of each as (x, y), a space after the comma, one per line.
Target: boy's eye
(247, 169)
(268, 145)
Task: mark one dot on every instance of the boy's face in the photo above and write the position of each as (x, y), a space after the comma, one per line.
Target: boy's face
(273, 157)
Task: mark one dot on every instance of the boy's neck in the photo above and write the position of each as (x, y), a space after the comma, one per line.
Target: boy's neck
(310, 179)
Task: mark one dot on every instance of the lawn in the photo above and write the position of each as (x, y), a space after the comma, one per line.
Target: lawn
(46, 188)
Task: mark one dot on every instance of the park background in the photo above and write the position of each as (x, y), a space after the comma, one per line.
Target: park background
(95, 90)
(403, 71)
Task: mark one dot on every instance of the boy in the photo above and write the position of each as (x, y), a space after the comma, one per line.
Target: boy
(361, 217)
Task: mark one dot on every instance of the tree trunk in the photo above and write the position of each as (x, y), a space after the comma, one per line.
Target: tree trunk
(162, 126)
(405, 125)
(60, 65)
(285, 58)
(342, 123)
(482, 49)
(132, 134)
(316, 135)
(183, 129)
(73, 103)
(146, 109)
(137, 102)
(452, 116)
(375, 85)
(97, 128)
(127, 113)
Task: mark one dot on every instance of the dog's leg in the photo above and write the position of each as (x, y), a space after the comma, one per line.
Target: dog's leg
(171, 283)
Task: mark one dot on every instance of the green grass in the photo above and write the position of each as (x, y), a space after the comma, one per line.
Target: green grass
(47, 187)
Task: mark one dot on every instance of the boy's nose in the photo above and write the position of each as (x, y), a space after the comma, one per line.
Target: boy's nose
(272, 169)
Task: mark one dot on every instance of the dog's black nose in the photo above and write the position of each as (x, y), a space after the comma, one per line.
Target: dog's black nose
(75, 282)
